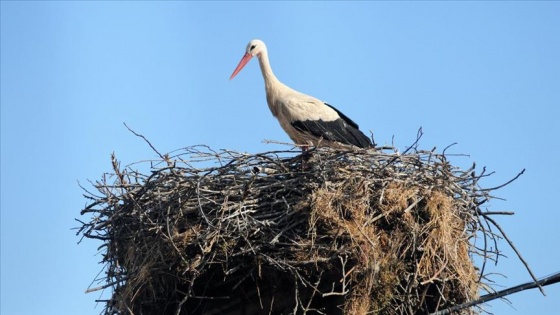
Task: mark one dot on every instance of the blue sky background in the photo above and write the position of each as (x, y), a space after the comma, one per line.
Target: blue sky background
(483, 74)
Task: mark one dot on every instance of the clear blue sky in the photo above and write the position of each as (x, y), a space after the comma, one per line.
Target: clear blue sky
(483, 74)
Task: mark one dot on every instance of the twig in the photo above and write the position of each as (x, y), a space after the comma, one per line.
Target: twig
(554, 278)
(506, 183)
(147, 141)
(516, 251)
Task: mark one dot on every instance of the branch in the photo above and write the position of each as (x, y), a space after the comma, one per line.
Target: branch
(150, 144)
(515, 250)
(554, 278)
(506, 183)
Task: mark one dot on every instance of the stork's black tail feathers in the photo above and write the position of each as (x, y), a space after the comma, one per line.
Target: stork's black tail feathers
(362, 141)
(357, 138)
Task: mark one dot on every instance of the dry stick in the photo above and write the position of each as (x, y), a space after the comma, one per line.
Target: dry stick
(296, 297)
(498, 212)
(485, 247)
(314, 291)
(516, 252)
(447, 147)
(414, 144)
(554, 278)
(419, 135)
(506, 183)
(147, 141)
(105, 286)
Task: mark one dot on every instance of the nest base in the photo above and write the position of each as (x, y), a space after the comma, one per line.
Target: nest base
(330, 232)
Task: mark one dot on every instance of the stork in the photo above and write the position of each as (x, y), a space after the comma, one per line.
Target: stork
(307, 120)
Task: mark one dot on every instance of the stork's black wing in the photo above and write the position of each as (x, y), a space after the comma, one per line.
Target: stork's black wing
(343, 130)
(344, 117)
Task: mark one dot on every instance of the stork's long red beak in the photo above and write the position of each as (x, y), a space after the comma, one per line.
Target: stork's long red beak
(241, 64)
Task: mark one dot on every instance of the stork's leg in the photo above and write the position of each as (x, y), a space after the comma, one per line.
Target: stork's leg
(303, 151)
(304, 155)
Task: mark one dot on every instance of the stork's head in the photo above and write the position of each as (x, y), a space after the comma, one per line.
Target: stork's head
(254, 48)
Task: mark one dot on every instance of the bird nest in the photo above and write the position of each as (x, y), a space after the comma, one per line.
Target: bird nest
(324, 232)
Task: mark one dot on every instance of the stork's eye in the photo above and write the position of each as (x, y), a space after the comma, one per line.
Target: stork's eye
(253, 47)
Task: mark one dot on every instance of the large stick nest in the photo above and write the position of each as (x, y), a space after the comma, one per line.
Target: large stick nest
(326, 232)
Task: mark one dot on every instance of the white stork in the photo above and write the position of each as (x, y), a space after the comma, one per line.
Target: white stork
(307, 120)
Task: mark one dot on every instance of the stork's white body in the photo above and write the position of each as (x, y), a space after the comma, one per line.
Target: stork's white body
(307, 120)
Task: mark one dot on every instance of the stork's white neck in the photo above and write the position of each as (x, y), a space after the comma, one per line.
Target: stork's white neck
(269, 77)
(276, 91)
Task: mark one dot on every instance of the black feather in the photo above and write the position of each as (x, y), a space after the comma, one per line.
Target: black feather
(344, 117)
(342, 130)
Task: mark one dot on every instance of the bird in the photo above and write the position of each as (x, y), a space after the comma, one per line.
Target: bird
(307, 120)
